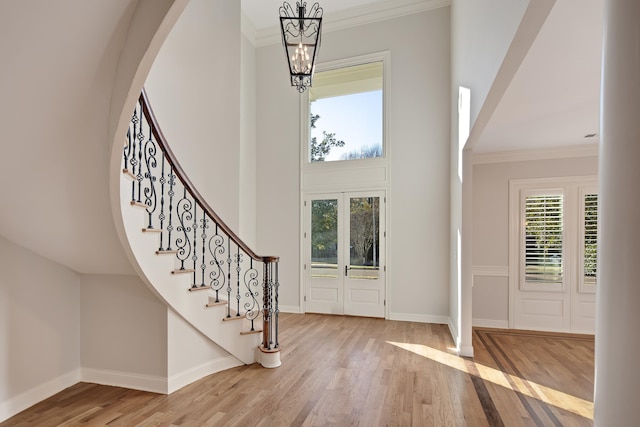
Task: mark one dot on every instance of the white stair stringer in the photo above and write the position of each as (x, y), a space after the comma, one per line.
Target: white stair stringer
(155, 270)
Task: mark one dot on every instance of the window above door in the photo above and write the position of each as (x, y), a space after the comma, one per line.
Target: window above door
(346, 113)
(343, 114)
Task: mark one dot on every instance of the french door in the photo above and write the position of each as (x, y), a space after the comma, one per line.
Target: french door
(344, 255)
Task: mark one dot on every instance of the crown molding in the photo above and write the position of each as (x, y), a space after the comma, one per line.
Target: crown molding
(247, 28)
(355, 16)
(584, 150)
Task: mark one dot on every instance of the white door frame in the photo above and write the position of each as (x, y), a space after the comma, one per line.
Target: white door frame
(572, 292)
(306, 235)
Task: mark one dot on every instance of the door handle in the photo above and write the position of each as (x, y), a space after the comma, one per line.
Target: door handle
(346, 269)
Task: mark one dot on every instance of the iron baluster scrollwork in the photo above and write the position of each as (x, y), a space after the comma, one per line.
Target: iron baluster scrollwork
(252, 306)
(139, 176)
(185, 218)
(170, 193)
(266, 307)
(238, 259)
(194, 252)
(150, 161)
(134, 162)
(162, 217)
(216, 275)
(203, 264)
(229, 278)
(277, 307)
(271, 322)
(130, 135)
(183, 243)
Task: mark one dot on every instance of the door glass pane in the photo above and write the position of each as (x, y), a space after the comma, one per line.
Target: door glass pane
(324, 238)
(364, 238)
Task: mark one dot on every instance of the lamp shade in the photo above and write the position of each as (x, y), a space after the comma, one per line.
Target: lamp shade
(301, 40)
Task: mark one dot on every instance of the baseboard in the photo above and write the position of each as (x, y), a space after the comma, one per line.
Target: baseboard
(176, 382)
(125, 379)
(420, 318)
(491, 323)
(289, 309)
(465, 351)
(24, 400)
(454, 333)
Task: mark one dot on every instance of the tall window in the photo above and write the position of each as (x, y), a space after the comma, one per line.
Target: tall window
(555, 231)
(544, 238)
(589, 239)
(346, 113)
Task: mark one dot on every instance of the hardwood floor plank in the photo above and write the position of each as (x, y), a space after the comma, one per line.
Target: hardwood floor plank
(349, 371)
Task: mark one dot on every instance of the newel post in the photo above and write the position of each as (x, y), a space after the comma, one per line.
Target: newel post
(270, 348)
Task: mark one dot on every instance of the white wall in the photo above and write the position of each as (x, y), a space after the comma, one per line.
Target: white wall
(79, 60)
(123, 333)
(130, 338)
(418, 149)
(278, 169)
(491, 227)
(247, 178)
(191, 355)
(482, 33)
(194, 89)
(39, 328)
(481, 37)
(59, 66)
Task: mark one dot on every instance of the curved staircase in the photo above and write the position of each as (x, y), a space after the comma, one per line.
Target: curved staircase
(189, 256)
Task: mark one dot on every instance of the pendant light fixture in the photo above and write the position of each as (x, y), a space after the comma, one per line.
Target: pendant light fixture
(301, 40)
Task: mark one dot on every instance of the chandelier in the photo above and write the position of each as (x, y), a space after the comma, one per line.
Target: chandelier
(301, 40)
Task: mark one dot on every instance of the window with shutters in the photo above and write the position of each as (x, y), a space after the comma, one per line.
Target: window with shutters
(555, 234)
(543, 248)
(589, 239)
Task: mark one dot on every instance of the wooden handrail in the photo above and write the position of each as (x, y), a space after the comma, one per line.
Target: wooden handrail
(164, 146)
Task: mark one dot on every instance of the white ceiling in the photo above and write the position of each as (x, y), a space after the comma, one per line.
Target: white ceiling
(552, 101)
(554, 97)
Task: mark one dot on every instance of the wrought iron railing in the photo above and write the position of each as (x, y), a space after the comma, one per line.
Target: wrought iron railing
(203, 245)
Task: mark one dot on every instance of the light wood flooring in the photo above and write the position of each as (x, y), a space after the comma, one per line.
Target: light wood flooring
(348, 371)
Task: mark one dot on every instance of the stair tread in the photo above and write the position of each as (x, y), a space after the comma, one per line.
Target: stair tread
(128, 173)
(234, 316)
(213, 303)
(152, 230)
(159, 185)
(195, 288)
(184, 271)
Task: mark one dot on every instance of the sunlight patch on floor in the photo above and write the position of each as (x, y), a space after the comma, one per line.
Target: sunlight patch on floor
(557, 398)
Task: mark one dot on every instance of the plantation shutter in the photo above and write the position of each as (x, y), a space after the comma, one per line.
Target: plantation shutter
(590, 238)
(543, 254)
